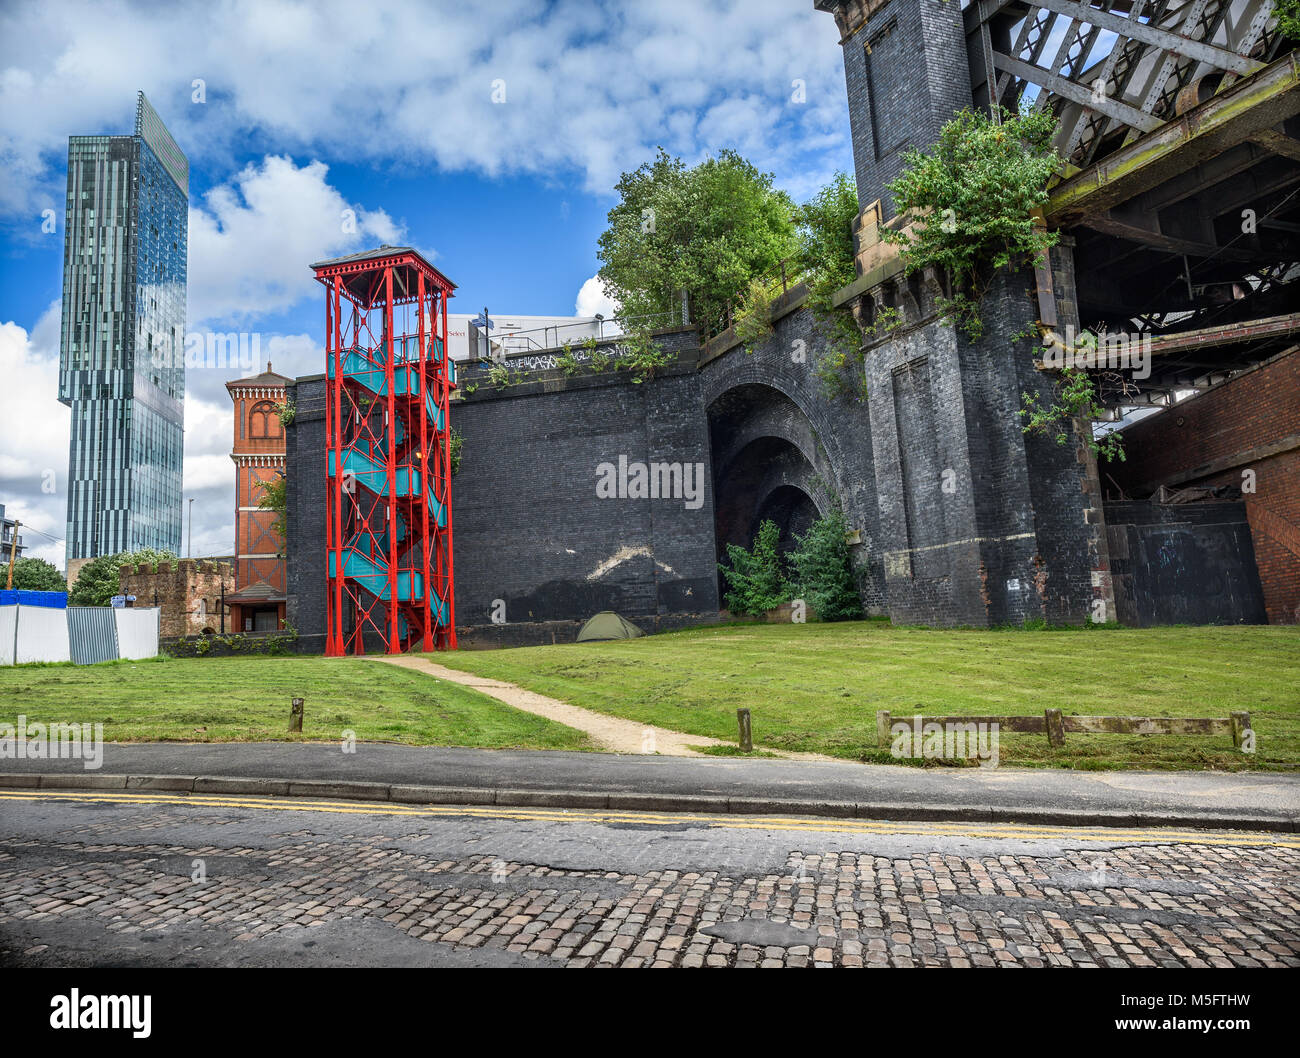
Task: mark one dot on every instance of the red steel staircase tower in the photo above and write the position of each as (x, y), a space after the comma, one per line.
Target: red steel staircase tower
(389, 570)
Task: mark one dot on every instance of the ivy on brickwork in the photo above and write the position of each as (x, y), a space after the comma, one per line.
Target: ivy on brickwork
(456, 440)
(974, 196)
(276, 644)
(752, 321)
(644, 356)
(286, 412)
(1074, 399)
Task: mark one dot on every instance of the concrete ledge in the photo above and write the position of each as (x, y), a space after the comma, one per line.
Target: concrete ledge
(353, 791)
(440, 795)
(550, 799)
(1065, 817)
(216, 785)
(666, 803)
(73, 781)
(1242, 822)
(705, 804)
(919, 813)
(160, 782)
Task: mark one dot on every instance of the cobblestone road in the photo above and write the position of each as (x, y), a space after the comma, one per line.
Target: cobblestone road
(162, 879)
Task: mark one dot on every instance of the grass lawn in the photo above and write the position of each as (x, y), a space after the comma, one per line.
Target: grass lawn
(817, 687)
(247, 699)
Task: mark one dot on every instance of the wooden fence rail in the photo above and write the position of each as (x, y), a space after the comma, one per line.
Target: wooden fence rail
(1055, 726)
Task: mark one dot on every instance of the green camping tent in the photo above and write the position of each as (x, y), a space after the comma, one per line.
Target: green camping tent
(608, 625)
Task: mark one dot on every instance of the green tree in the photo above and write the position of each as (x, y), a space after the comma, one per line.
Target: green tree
(707, 230)
(825, 231)
(826, 259)
(755, 581)
(823, 571)
(973, 198)
(34, 574)
(99, 581)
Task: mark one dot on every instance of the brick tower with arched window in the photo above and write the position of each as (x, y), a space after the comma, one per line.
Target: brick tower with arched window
(258, 455)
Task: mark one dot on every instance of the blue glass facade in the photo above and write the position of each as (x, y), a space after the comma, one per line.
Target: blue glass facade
(122, 347)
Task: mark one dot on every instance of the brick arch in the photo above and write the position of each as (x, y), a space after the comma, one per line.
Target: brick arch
(766, 465)
(781, 396)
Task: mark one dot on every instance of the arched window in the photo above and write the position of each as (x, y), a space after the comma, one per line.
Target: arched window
(263, 421)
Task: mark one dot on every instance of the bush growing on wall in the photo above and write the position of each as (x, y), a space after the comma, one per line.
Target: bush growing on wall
(275, 644)
(974, 197)
(755, 580)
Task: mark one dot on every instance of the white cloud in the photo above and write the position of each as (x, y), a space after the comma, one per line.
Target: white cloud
(34, 439)
(593, 299)
(252, 239)
(586, 89)
(34, 434)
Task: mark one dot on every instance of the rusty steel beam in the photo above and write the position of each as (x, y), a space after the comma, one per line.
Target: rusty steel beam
(1277, 141)
(1252, 105)
(1228, 334)
(1128, 228)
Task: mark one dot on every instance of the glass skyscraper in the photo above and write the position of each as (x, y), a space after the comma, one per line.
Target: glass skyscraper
(122, 346)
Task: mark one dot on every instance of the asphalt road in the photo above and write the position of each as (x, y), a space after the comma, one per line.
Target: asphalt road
(157, 879)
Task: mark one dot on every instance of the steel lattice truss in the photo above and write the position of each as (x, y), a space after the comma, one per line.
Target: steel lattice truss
(388, 496)
(1113, 69)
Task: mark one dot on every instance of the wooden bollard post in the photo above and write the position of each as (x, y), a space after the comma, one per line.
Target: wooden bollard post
(746, 732)
(295, 715)
(883, 723)
(1240, 725)
(1055, 727)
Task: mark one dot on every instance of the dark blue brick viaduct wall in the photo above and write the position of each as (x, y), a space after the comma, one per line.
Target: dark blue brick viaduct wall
(959, 518)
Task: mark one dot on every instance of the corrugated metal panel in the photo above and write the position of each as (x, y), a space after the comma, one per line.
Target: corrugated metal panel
(8, 633)
(92, 634)
(42, 635)
(137, 632)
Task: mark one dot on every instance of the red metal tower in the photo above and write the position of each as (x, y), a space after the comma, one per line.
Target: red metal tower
(388, 524)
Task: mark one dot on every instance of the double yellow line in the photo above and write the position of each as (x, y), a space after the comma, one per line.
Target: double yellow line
(812, 825)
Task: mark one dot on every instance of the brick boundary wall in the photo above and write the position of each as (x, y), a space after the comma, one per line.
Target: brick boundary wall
(180, 586)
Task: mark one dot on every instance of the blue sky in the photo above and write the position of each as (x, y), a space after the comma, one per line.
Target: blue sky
(488, 137)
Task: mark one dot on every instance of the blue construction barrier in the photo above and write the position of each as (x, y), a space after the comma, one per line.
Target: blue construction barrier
(55, 600)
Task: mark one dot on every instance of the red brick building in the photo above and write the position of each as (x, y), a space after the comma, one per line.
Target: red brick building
(258, 454)
(1245, 434)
